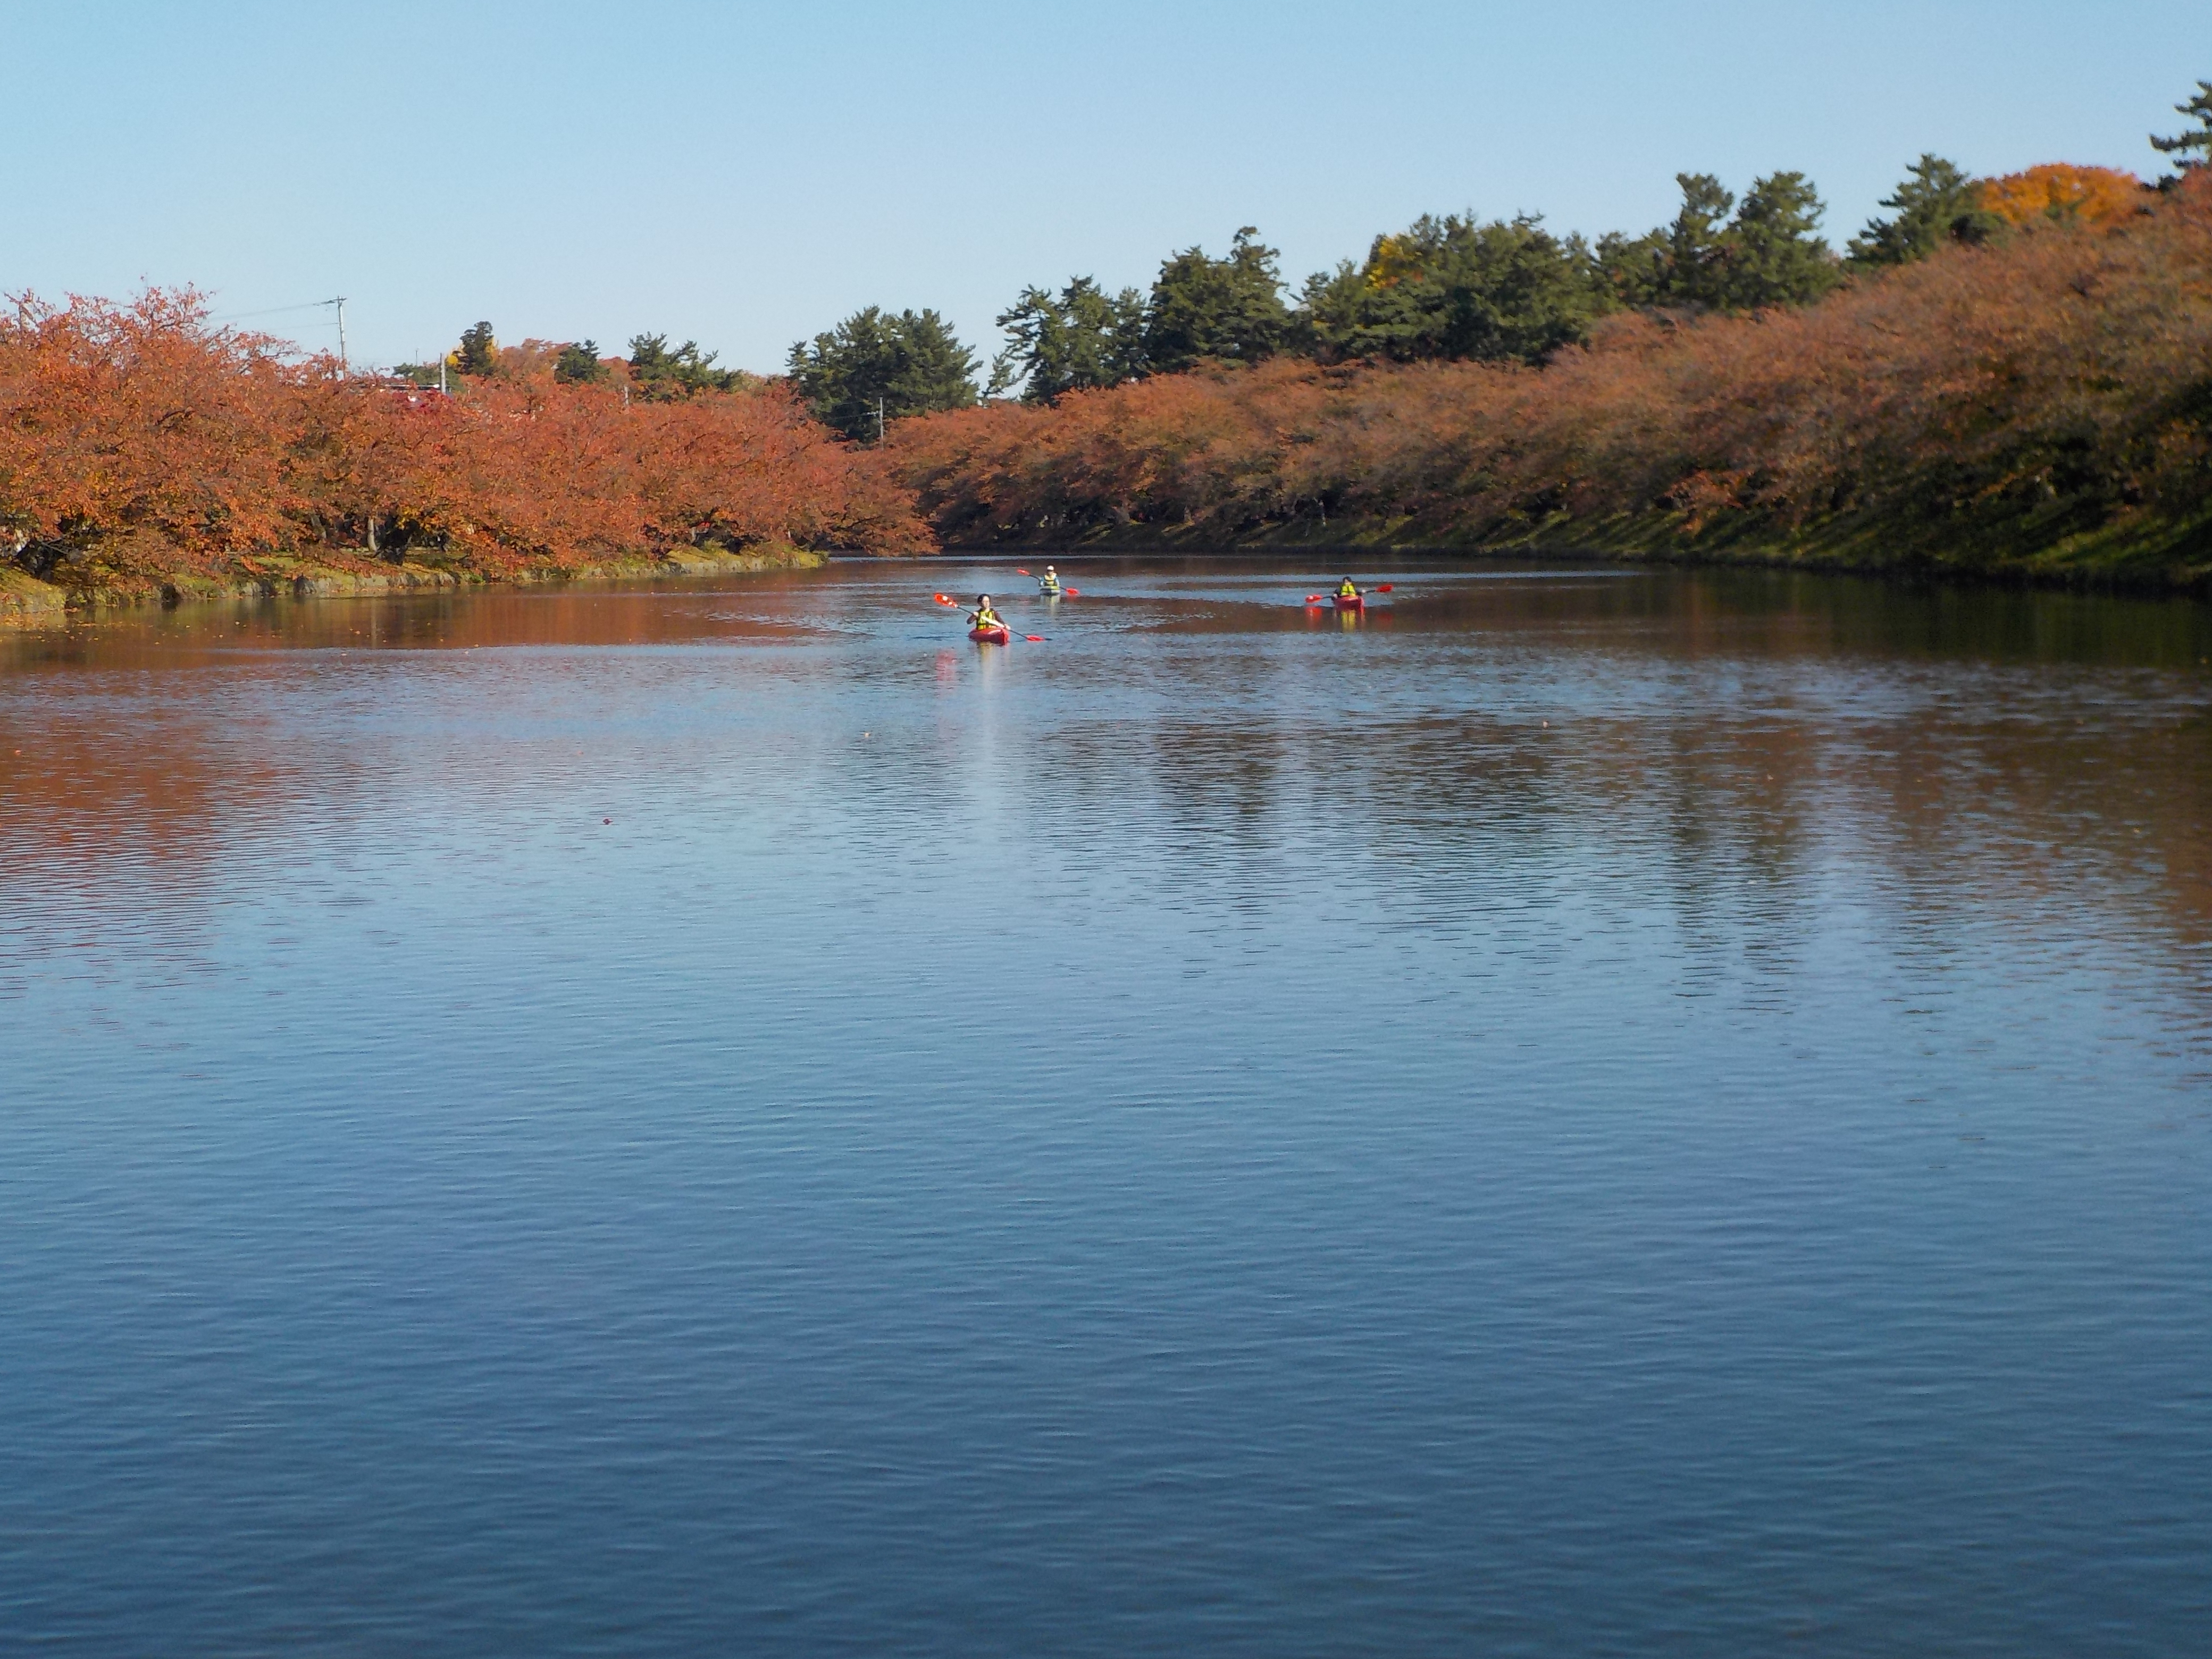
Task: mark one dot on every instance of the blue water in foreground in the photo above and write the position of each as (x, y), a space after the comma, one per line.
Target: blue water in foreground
(1595, 1113)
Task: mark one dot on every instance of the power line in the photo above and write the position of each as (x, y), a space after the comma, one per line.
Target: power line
(304, 305)
(270, 311)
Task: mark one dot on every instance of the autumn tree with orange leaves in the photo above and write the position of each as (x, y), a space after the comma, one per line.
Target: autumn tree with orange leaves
(140, 443)
(2094, 196)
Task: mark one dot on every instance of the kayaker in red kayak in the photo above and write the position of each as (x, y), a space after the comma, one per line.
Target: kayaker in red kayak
(1347, 589)
(983, 619)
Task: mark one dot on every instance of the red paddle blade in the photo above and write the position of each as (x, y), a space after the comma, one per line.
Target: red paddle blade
(1386, 588)
(943, 599)
(1073, 592)
(1018, 571)
(1034, 639)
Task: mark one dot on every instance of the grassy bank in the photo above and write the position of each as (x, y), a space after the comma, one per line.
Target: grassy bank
(25, 601)
(2134, 556)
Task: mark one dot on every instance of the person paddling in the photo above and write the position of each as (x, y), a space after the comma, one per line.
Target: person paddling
(1347, 589)
(1048, 584)
(982, 616)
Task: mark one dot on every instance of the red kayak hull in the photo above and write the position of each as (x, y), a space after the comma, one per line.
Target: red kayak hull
(1352, 604)
(991, 636)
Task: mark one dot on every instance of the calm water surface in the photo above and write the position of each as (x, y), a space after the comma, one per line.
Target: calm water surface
(1596, 1113)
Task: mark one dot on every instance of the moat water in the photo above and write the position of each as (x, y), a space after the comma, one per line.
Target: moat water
(1588, 1113)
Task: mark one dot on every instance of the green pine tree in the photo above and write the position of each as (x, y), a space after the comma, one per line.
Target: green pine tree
(1770, 252)
(478, 352)
(662, 374)
(878, 366)
(1938, 202)
(579, 362)
(1457, 287)
(1773, 253)
(2191, 149)
(1229, 309)
(1081, 337)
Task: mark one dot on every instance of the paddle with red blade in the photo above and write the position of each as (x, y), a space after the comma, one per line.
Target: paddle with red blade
(1325, 598)
(946, 599)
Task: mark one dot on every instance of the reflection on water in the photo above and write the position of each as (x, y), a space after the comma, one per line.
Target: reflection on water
(1581, 1112)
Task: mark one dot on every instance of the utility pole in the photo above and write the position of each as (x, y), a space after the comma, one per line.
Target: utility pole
(879, 420)
(340, 303)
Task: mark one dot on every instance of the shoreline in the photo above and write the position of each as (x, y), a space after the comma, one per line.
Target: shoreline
(28, 602)
(2086, 564)
(2165, 560)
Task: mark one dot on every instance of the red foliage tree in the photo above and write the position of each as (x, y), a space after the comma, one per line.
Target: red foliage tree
(138, 441)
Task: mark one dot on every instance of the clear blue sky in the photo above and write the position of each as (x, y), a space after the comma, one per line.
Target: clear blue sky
(747, 173)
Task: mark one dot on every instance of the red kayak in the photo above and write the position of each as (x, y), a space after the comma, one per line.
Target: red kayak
(1357, 602)
(991, 636)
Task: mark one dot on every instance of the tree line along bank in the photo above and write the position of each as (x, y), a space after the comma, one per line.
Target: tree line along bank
(2010, 374)
(1450, 288)
(1447, 288)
